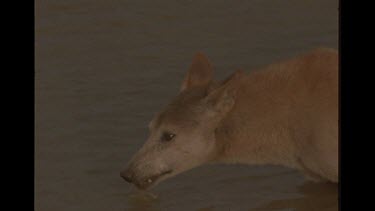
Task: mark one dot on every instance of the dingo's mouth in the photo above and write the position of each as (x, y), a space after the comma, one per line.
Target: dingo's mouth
(147, 183)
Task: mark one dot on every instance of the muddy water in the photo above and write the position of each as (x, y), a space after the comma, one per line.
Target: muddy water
(104, 67)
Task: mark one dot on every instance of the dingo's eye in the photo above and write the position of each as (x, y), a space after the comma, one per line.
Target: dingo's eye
(167, 136)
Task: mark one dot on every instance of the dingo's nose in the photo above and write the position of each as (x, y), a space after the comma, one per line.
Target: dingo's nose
(127, 176)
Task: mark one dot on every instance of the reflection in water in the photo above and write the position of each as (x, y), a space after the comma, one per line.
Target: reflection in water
(287, 190)
(142, 201)
(209, 208)
(324, 193)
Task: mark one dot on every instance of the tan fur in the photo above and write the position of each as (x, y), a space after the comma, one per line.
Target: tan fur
(285, 113)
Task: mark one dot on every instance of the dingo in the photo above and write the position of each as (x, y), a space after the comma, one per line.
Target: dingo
(285, 114)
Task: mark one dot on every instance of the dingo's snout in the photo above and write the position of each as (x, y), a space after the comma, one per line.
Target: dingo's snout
(127, 175)
(142, 180)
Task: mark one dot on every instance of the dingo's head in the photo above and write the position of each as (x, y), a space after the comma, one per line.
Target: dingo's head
(182, 136)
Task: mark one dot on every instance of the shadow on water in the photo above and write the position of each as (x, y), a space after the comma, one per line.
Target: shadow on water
(316, 196)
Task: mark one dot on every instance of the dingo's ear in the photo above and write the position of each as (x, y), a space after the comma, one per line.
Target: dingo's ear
(222, 98)
(200, 72)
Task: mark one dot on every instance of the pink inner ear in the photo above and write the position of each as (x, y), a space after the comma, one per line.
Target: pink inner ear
(200, 72)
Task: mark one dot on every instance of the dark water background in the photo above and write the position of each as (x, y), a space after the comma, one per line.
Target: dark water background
(103, 68)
